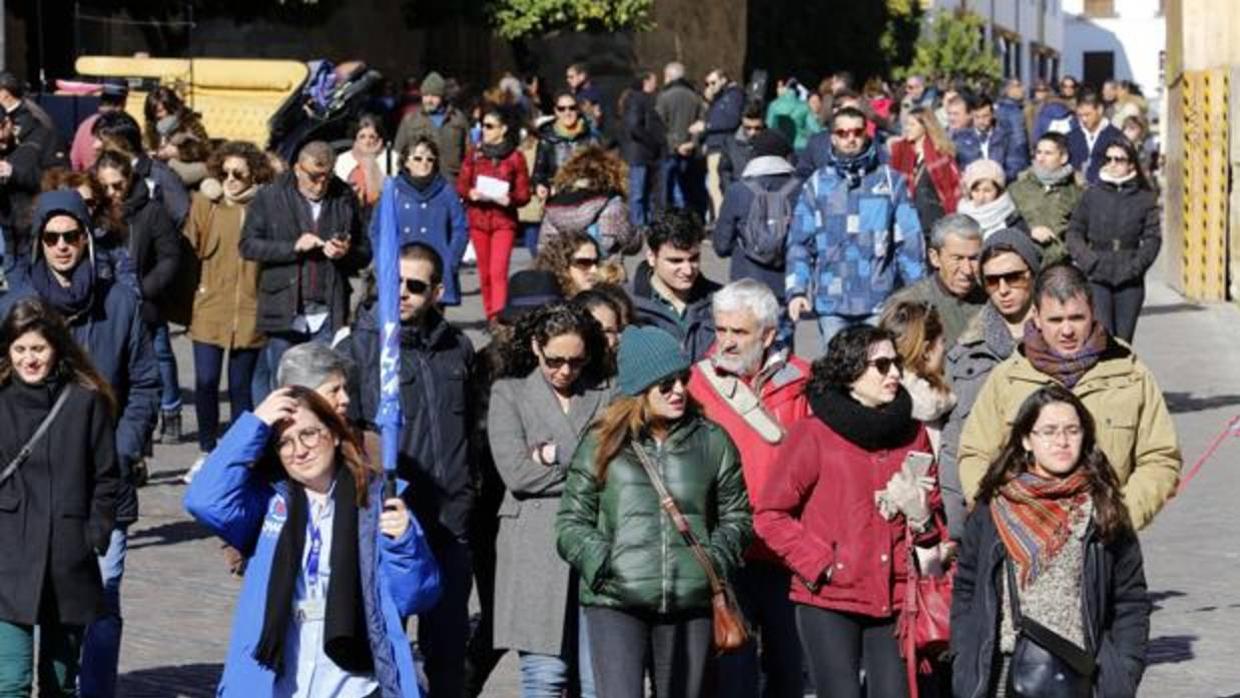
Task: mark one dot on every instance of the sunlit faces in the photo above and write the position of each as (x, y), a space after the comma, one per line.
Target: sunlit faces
(583, 266)
(418, 292)
(984, 191)
(1064, 325)
(307, 449)
(64, 243)
(421, 161)
(32, 357)
(848, 134)
(1009, 284)
(236, 173)
(880, 382)
(956, 263)
(335, 391)
(1048, 156)
(669, 398)
(676, 268)
(115, 184)
(1055, 441)
(561, 360)
(609, 322)
(312, 178)
(740, 343)
(1117, 163)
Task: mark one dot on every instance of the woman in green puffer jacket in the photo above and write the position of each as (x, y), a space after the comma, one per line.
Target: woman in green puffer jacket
(645, 595)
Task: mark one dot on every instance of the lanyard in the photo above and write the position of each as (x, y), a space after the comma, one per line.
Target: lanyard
(316, 549)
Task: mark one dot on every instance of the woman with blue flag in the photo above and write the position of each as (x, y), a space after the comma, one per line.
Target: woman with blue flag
(334, 563)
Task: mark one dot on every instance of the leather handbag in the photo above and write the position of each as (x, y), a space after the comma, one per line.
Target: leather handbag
(924, 627)
(1045, 664)
(730, 630)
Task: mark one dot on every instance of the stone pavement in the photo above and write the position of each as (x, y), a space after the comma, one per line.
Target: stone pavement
(178, 596)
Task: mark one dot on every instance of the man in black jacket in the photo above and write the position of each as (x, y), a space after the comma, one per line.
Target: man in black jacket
(305, 232)
(642, 145)
(669, 290)
(436, 367)
(19, 184)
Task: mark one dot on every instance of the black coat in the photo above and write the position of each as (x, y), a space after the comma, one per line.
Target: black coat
(436, 369)
(155, 246)
(645, 136)
(729, 236)
(1116, 610)
(277, 216)
(1114, 233)
(17, 195)
(695, 330)
(58, 508)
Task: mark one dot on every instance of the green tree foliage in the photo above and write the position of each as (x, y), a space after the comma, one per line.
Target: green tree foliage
(515, 19)
(951, 46)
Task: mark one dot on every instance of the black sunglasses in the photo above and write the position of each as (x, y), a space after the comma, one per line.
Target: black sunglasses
(490, 125)
(70, 237)
(667, 385)
(885, 363)
(1117, 158)
(565, 107)
(1014, 279)
(585, 262)
(416, 286)
(556, 363)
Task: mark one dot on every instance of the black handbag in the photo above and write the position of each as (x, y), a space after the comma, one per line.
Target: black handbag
(1045, 664)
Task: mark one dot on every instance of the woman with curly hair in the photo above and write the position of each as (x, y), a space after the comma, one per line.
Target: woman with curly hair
(574, 258)
(551, 391)
(590, 196)
(174, 134)
(225, 308)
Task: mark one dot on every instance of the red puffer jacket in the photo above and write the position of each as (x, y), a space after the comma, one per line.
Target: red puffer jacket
(820, 512)
(487, 216)
(782, 393)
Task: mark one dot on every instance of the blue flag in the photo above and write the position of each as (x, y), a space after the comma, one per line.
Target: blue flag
(387, 278)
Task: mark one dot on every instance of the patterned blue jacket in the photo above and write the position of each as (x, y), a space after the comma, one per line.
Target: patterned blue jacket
(852, 246)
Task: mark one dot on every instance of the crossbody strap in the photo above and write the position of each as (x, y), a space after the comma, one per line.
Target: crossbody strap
(24, 453)
(668, 503)
(744, 401)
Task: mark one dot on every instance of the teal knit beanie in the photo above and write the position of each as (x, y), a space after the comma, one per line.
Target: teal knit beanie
(647, 355)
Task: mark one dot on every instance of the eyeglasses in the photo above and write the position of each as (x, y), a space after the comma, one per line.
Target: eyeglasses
(556, 363)
(315, 177)
(849, 132)
(1110, 159)
(667, 385)
(70, 237)
(562, 108)
(884, 364)
(490, 125)
(423, 158)
(416, 287)
(1014, 279)
(238, 175)
(1072, 431)
(585, 262)
(309, 438)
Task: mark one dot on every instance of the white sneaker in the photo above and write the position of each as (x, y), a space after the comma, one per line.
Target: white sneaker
(193, 469)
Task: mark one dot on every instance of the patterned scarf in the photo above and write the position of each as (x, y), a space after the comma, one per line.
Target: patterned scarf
(1035, 516)
(1068, 370)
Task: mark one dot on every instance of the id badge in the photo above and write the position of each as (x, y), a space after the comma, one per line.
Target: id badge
(310, 610)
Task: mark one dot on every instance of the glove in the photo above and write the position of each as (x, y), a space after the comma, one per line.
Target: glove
(908, 495)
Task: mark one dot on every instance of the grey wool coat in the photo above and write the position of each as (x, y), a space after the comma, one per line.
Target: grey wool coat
(531, 581)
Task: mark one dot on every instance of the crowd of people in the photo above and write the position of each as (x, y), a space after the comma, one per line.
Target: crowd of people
(638, 453)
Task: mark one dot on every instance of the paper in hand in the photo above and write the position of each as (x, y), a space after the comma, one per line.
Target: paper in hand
(917, 465)
(491, 188)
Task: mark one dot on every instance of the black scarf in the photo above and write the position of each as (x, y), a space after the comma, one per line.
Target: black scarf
(871, 428)
(70, 301)
(498, 151)
(419, 183)
(853, 167)
(345, 639)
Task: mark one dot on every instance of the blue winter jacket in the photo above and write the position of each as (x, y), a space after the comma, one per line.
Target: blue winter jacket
(435, 217)
(723, 117)
(1052, 116)
(1011, 115)
(853, 246)
(1001, 148)
(399, 577)
(1084, 159)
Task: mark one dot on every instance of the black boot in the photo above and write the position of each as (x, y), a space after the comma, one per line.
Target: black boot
(170, 428)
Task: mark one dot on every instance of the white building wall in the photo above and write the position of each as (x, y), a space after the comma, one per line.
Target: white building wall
(1020, 16)
(1137, 36)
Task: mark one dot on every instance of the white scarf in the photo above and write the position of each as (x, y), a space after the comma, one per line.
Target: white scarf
(992, 217)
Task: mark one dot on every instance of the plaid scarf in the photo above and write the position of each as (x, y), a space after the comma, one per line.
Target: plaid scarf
(1035, 516)
(1068, 370)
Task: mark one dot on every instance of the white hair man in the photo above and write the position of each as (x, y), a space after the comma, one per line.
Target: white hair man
(755, 390)
(953, 288)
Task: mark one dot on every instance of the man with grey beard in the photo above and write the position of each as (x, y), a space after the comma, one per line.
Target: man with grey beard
(755, 389)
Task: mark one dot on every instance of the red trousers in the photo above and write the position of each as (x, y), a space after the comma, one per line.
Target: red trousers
(494, 251)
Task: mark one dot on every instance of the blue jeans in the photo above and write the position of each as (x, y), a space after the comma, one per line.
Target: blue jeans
(639, 194)
(675, 170)
(208, 362)
(169, 385)
(529, 237)
(549, 675)
(830, 325)
(443, 631)
(762, 592)
(268, 366)
(101, 650)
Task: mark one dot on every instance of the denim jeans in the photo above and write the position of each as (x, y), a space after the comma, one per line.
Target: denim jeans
(169, 385)
(624, 644)
(208, 362)
(268, 365)
(675, 170)
(830, 325)
(443, 631)
(762, 592)
(639, 194)
(1118, 307)
(59, 648)
(839, 645)
(529, 237)
(549, 675)
(101, 649)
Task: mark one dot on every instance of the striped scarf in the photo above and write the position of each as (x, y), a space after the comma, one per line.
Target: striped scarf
(1068, 370)
(1035, 516)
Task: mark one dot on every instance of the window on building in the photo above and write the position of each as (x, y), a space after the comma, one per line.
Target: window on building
(1099, 8)
(1099, 67)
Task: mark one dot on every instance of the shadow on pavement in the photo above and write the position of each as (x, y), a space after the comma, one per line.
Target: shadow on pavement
(1170, 649)
(1171, 309)
(167, 534)
(1180, 403)
(184, 681)
(1157, 597)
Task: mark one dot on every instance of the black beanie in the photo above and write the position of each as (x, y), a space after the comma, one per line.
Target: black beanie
(770, 142)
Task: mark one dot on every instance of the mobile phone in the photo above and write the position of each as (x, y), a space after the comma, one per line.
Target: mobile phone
(340, 235)
(918, 463)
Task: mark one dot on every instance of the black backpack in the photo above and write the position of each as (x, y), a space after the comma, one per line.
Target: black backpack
(765, 231)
